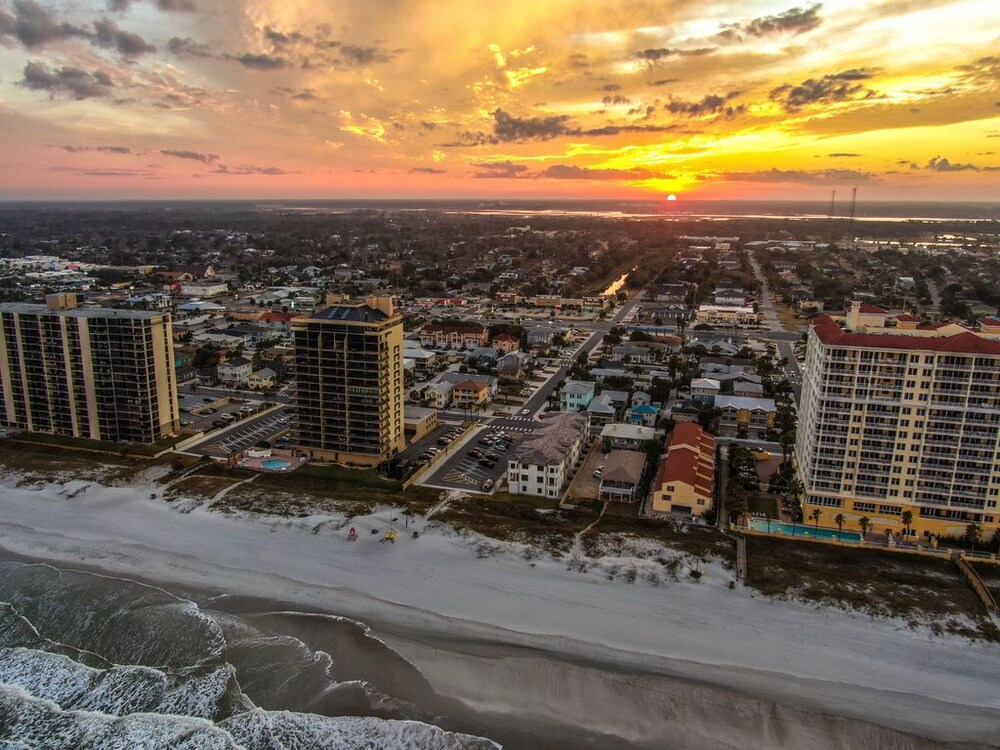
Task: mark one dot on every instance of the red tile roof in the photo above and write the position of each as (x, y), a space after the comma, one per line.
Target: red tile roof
(830, 333)
(869, 309)
(991, 322)
(690, 459)
(907, 318)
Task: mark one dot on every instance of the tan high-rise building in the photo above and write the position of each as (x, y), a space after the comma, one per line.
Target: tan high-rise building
(349, 381)
(898, 417)
(98, 373)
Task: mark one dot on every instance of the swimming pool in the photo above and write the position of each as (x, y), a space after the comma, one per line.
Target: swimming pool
(275, 463)
(801, 529)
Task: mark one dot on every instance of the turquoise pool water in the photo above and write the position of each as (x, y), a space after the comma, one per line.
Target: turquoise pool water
(801, 529)
(275, 463)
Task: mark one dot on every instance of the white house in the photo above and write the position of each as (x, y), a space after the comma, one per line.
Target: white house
(235, 371)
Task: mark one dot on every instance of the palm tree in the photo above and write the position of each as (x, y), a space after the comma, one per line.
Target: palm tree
(907, 519)
(839, 520)
(972, 532)
(865, 523)
(814, 515)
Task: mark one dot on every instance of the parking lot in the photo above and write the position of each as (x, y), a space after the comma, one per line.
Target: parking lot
(204, 411)
(469, 468)
(227, 442)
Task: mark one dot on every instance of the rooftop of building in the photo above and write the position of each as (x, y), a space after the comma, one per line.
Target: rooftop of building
(619, 431)
(28, 308)
(745, 402)
(623, 466)
(690, 458)
(551, 443)
(831, 334)
(351, 314)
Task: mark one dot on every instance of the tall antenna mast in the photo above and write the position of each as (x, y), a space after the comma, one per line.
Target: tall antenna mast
(850, 218)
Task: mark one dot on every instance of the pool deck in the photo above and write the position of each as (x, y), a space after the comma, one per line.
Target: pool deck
(256, 463)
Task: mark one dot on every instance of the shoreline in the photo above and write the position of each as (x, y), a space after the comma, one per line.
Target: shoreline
(933, 687)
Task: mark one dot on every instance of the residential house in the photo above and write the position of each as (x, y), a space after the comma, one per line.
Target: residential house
(541, 337)
(601, 412)
(642, 414)
(234, 372)
(745, 417)
(454, 335)
(748, 389)
(510, 367)
(622, 475)
(471, 394)
(705, 390)
(262, 378)
(631, 354)
(203, 289)
(576, 395)
(685, 411)
(439, 394)
(686, 479)
(627, 436)
(506, 343)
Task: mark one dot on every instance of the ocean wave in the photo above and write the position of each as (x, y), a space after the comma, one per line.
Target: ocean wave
(122, 621)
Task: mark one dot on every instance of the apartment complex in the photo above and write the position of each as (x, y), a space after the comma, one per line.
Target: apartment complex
(349, 379)
(898, 418)
(543, 463)
(100, 374)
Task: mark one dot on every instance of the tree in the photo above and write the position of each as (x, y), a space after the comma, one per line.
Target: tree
(814, 515)
(907, 519)
(865, 523)
(972, 532)
(839, 520)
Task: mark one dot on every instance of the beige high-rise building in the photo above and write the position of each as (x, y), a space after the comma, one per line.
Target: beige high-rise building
(349, 381)
(101, 374)
(898, 417)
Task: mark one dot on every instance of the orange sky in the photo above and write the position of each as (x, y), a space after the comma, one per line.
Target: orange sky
(529, 98)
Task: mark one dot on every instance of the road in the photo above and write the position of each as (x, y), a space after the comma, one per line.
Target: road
(776, 332)
(539, 399)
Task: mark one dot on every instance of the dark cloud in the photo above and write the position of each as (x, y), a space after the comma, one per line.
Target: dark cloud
(813, 177)
(501, 170)
(245, 170)
(616, 129)
(616, 99)
(842, 155)
(833, 87)
(281, 39)
(192, 155)
(662, 53)
(103, 149)
(188, 47)
(611, 87)
(33, 26)
(261, 62)
(108, 35)
(508, 128)
(70, 80)
(571, 172)
(169, 6)
(794, 20)
(710, 104)
(427, 170)
(663, 81)
(428, 125)
(359, 55)
(579, 60)
(985, 69)
(303, 95)
(940, 164)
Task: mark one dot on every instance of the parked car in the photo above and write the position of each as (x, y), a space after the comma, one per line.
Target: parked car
(487, 485)
(598, 472)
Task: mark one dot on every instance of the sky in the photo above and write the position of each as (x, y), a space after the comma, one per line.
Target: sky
(616, 99)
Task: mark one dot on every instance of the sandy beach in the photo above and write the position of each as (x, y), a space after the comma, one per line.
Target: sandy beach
(693, 665)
